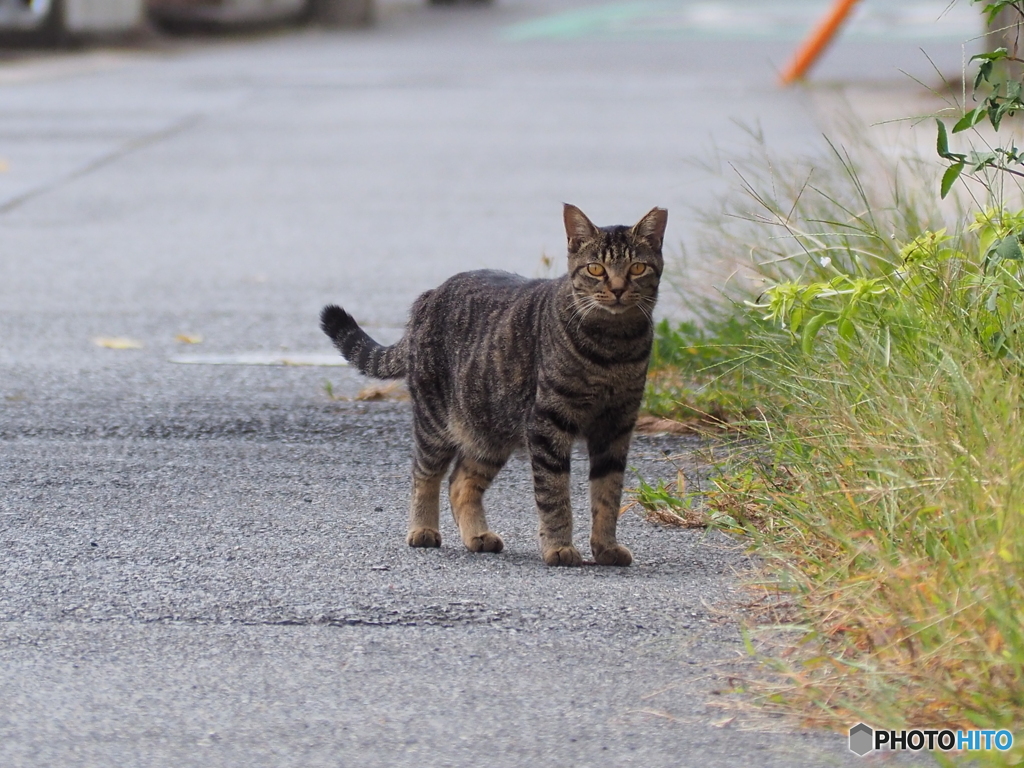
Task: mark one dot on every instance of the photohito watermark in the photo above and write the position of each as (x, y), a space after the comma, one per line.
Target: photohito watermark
(864, 739)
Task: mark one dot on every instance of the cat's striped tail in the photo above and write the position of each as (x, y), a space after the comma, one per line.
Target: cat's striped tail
(371, 358)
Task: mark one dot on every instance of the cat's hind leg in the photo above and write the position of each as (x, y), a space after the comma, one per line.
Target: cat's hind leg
(470, 478)
(431, 457)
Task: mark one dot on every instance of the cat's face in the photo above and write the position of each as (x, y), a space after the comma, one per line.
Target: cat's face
(615, 269)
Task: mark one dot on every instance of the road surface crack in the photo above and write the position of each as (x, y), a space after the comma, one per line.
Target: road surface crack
(119, 152)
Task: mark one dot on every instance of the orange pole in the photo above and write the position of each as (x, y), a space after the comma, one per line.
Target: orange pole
(822, 35)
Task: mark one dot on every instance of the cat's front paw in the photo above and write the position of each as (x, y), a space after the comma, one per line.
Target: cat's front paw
(563, 556)
(613, 555)
(486, 542)
(424, 537)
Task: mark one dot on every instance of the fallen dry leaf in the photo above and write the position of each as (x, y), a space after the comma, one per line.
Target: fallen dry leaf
(648, 424)
(393, 391)
(116, 342)
(189, 338)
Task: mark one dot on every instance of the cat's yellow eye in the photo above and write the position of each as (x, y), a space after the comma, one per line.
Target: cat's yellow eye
(595, 269)
(636, 268)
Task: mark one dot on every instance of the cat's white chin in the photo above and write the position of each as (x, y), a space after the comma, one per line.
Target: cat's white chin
(616, 309)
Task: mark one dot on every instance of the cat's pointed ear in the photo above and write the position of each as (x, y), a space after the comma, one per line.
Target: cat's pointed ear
(652, 227)
(578, 227)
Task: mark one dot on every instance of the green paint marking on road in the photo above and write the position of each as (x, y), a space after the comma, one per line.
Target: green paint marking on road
(585, 22)
(880, 20)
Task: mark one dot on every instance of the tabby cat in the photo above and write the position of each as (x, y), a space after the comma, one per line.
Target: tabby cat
(494, 361)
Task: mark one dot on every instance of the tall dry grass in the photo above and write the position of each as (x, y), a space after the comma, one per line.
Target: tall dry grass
(880, 362)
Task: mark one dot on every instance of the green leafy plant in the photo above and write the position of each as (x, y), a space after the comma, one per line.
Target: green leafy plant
(879, 363)
(1000, 95)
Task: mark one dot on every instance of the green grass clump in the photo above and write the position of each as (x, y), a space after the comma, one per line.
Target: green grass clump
(883, 352)
(697, 374)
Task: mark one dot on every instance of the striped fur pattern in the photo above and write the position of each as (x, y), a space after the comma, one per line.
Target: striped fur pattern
(495, 361)
(364, 353)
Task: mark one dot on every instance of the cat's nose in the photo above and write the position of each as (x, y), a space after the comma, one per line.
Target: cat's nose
(618, 292)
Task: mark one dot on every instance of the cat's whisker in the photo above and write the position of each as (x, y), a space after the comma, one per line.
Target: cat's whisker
(646, 305)
(582, 310)
(579, 312)
(592, 306)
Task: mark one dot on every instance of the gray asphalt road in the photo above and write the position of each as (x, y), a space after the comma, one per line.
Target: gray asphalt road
(204, 565)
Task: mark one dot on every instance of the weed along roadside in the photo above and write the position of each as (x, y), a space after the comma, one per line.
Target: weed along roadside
(872, 359)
